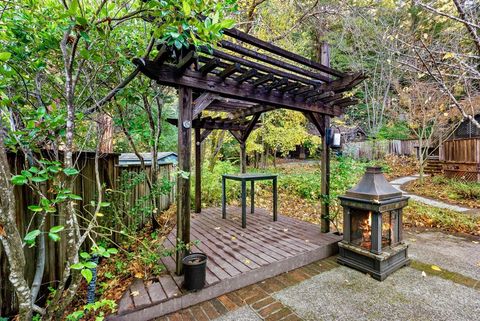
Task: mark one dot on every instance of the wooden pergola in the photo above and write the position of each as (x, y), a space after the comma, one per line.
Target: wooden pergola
(244, 78)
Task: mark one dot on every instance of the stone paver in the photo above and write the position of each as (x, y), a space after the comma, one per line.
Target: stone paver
(403, 180)
(243, 314)
(345, 294)
(454, 253)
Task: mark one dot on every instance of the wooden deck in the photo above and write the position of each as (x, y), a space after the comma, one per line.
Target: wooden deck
(236, 258)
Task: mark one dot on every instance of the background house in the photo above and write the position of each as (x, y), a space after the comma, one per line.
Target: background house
(130, 159)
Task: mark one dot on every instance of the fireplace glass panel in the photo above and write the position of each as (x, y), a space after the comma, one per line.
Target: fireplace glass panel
(386, 229)
(361, 228)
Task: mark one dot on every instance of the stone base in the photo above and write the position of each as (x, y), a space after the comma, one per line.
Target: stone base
(379, 266)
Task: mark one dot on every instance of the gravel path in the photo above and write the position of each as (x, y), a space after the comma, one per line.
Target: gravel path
(403, 180)
(454, 253)
(345, 294)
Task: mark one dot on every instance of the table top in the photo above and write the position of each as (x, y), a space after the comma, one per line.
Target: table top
(250, 176)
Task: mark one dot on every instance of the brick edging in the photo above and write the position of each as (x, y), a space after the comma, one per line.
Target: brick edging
(257, 296)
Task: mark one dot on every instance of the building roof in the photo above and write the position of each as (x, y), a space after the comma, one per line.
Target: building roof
(127, 159)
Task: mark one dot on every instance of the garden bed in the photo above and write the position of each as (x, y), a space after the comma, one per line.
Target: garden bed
(448, 190)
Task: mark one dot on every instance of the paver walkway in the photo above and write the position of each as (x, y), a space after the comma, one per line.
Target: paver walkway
(403, 180)
(442, 283)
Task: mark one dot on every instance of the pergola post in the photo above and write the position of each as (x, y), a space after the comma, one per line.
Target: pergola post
(325, 210)
(243, 157)
(198, 171)
(183, 181)
(325, 184)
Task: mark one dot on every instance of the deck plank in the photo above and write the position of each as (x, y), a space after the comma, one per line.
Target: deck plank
(251, 242)
(260, 251)
(237, 244)
(139, 294)
(156, 292)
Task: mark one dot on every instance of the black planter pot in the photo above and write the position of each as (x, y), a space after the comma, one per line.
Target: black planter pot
(194, 268)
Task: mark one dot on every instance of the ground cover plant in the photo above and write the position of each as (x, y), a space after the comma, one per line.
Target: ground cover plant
(299, 184)
(425, 216)
(299, 189)
(449, 190)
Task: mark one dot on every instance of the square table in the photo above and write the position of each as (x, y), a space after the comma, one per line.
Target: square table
(244, 178)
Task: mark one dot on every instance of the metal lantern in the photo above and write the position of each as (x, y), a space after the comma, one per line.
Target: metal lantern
(372, 224)
(334, 138)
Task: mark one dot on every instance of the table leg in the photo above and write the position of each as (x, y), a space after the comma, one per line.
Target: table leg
(244, 204)
(275, 198)
(252, 196)
(224, 198)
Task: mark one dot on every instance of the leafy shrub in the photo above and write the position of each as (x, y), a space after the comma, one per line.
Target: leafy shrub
(421, 215)
(212, 183)
(395, 130)
(458, 189)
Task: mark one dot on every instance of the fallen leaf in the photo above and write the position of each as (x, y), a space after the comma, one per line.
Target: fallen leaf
(247, 261)
(2, 231)
(285, 229)
(424, 274)
(475, 242)
(233, 238)
(135, 293)
(139, 275)
(436, 268)
(217, 228)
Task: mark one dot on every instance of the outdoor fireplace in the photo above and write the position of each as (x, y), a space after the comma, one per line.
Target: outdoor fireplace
(372, 226)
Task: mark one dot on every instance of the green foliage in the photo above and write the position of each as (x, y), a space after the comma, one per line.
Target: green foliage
(394, 130)
(418, 214)
(96, 309)
(86, 265)
(303, 183)
(212, 183)
(181, 23)
(281, 132)
(458, 189)
(125, 202)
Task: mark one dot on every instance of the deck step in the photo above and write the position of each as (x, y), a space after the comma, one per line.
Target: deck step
(236, 258)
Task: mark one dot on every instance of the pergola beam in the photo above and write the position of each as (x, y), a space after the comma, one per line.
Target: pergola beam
(260, 67)
(242, 36)
(212, 124)
(202, 102)
(272, 61)
(251, 111)
(167, 75)
(251, 126)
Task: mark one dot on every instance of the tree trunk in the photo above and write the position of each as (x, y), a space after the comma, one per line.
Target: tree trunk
(420, 160)
(105, 122)
(11, 239)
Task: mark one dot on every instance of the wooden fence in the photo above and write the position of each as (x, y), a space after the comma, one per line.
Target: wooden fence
(377, 149)
(86, 187)
(461, 159)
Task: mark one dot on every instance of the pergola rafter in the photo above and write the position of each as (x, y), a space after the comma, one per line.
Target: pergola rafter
(244, 76)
